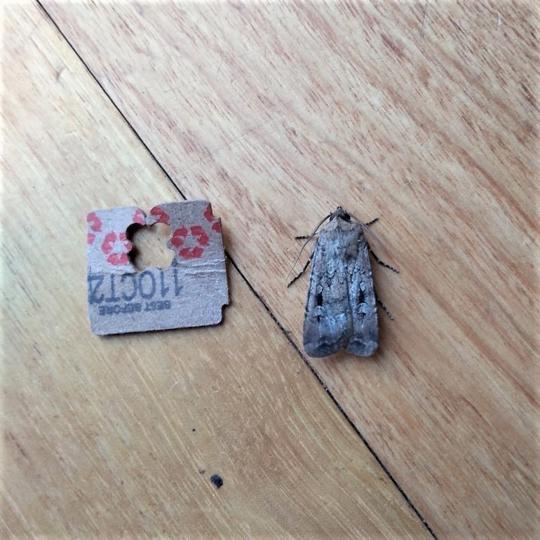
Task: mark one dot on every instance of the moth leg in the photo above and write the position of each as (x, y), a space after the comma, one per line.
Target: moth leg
(385, 309)
(369, 223)
(382, 263)
(301, 273)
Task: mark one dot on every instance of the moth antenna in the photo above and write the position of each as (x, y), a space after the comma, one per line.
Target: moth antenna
(298, 257)
(310, 237)
(301, 273)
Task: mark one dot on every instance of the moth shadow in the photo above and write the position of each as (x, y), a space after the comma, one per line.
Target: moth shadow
(343, 356)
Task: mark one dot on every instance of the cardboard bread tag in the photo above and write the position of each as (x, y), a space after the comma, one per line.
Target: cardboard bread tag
(190, 292)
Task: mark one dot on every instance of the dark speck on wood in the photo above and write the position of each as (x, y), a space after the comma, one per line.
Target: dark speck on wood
(216, 480)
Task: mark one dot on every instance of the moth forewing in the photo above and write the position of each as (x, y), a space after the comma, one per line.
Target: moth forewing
(364, 339)
(341, 307)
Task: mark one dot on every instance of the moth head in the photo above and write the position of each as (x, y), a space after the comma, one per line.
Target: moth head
(341, 214)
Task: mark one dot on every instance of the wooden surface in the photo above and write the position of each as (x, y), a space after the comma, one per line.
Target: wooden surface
(119, 436)
(423, 114)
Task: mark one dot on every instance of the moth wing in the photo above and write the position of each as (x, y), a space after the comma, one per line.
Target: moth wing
(328, 322)
(364, 338)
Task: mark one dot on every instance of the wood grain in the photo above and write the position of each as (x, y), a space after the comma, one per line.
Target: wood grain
(424, 114)
(119, 436)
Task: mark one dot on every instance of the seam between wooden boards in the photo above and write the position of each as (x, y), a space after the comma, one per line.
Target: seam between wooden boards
(248, 283)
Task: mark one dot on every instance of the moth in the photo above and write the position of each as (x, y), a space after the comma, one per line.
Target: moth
(341, 306)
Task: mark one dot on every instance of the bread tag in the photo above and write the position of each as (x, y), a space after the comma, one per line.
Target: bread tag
(190, 292)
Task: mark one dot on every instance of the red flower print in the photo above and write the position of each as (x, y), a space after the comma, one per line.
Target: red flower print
(198, 232)
(190, 243)
(216, 224)
(94, 223)
(208, 213)
(116, 246)
(160, 215)
(138, 217)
